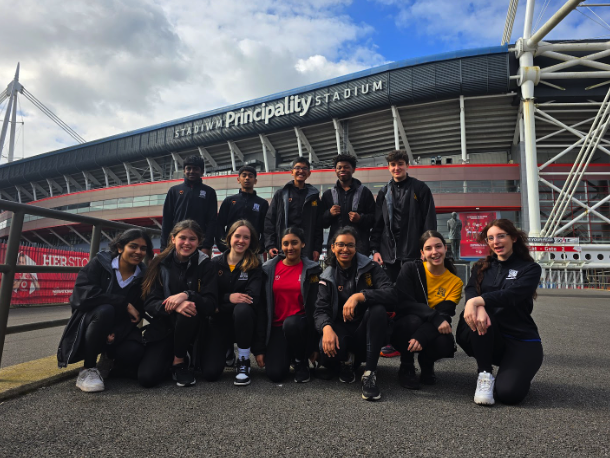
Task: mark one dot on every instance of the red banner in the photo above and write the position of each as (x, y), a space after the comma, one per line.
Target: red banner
(44, 288)
(472, 225)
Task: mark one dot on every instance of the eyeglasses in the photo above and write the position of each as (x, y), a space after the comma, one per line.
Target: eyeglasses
(301, 169)
(350, 246)
(498, 237)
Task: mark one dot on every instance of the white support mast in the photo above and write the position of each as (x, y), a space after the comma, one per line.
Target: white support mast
(11, 92)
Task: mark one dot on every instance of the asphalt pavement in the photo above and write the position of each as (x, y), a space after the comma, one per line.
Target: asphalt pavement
(565, 414)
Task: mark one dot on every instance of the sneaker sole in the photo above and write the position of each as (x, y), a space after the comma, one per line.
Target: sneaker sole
(302, 381)
(390, 355)
(91, 390)
(347, 381)
(484, 402)
(236, 383)
(376, 398)
(186, 384)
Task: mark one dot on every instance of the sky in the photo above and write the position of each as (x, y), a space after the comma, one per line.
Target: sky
(113, 66)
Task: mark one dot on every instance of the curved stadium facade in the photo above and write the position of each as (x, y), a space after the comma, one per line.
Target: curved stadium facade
(456, 114)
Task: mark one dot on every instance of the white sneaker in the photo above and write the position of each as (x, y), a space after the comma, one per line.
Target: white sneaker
(90, 380)
(484, 395)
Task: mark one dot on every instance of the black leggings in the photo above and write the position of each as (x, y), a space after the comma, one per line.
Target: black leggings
(98, 326)
(518, 363)
(185, 332)
(291, 340)
(364, 338)
(441, 346)
(222, 331)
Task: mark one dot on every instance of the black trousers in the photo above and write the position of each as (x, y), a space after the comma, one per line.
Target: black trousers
(156, 362)
(517, 361)
(159, 355)
(441, 346)
(222, 331)
(363, 338)
(293, 340)
(127, 354)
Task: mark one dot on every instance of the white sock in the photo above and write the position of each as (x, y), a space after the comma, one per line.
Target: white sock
(244, 353)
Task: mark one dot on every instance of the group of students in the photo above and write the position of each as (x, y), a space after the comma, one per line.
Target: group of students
(290, 313)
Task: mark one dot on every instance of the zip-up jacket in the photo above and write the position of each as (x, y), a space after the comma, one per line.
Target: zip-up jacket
(418, 217)
(249, 283)
(364, 206)
(508, 288)
(264, 317)
(412, 299)
(241, 206)
(190, 200)
(201, 284)
(94, 286)
(370, 280)
(277, 219)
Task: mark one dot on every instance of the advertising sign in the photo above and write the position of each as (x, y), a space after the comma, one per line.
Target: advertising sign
(472, 225)
(44, 288)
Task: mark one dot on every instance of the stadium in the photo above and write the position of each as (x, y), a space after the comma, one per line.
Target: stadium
(463, 118)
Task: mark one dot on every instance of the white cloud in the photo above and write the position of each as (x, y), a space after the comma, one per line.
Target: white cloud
(108, 67)
(460, 24)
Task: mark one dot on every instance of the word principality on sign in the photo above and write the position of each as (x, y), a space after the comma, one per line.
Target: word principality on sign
(289, 105)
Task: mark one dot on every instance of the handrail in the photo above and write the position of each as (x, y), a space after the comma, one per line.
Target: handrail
(66, 216)
(10, 267)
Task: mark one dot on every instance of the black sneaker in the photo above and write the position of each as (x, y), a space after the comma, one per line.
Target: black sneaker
(407, 377)
(346, 372)
(242, 372)
(230, 358)
(182, 375)
(370, 391)
(301, 371)
(427, 377)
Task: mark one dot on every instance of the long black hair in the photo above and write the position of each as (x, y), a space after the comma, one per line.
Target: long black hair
(435, 234)
(331, 259)
(122, 239)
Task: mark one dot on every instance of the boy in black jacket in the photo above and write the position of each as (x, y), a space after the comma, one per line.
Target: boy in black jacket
(297, 204)
(244, 205)
(349, 203)
(191, 200)
(404, 211)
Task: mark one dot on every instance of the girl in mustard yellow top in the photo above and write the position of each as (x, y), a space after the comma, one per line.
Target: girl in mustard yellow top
(427, 294)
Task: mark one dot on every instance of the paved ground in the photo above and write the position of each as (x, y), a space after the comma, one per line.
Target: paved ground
(27, 346)
(565, 414)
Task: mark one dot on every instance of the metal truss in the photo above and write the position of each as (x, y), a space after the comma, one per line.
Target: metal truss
(529, 76)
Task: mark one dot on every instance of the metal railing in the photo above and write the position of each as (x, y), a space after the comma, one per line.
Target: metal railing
(10, 267)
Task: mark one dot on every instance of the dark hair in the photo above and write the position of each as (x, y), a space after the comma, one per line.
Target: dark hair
(246, 168)
(130, 235)
(301, 160)
(196, 161)
(345, 158)
(153, 271)
(251, 260)
(331, 259)
(397, 155)
(435, 234)
(300, 233)
(520, 247)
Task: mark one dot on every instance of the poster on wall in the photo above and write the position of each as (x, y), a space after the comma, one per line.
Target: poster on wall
(472, 225)
(44, 288)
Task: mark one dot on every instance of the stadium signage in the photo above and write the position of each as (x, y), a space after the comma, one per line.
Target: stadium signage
(289, 105)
